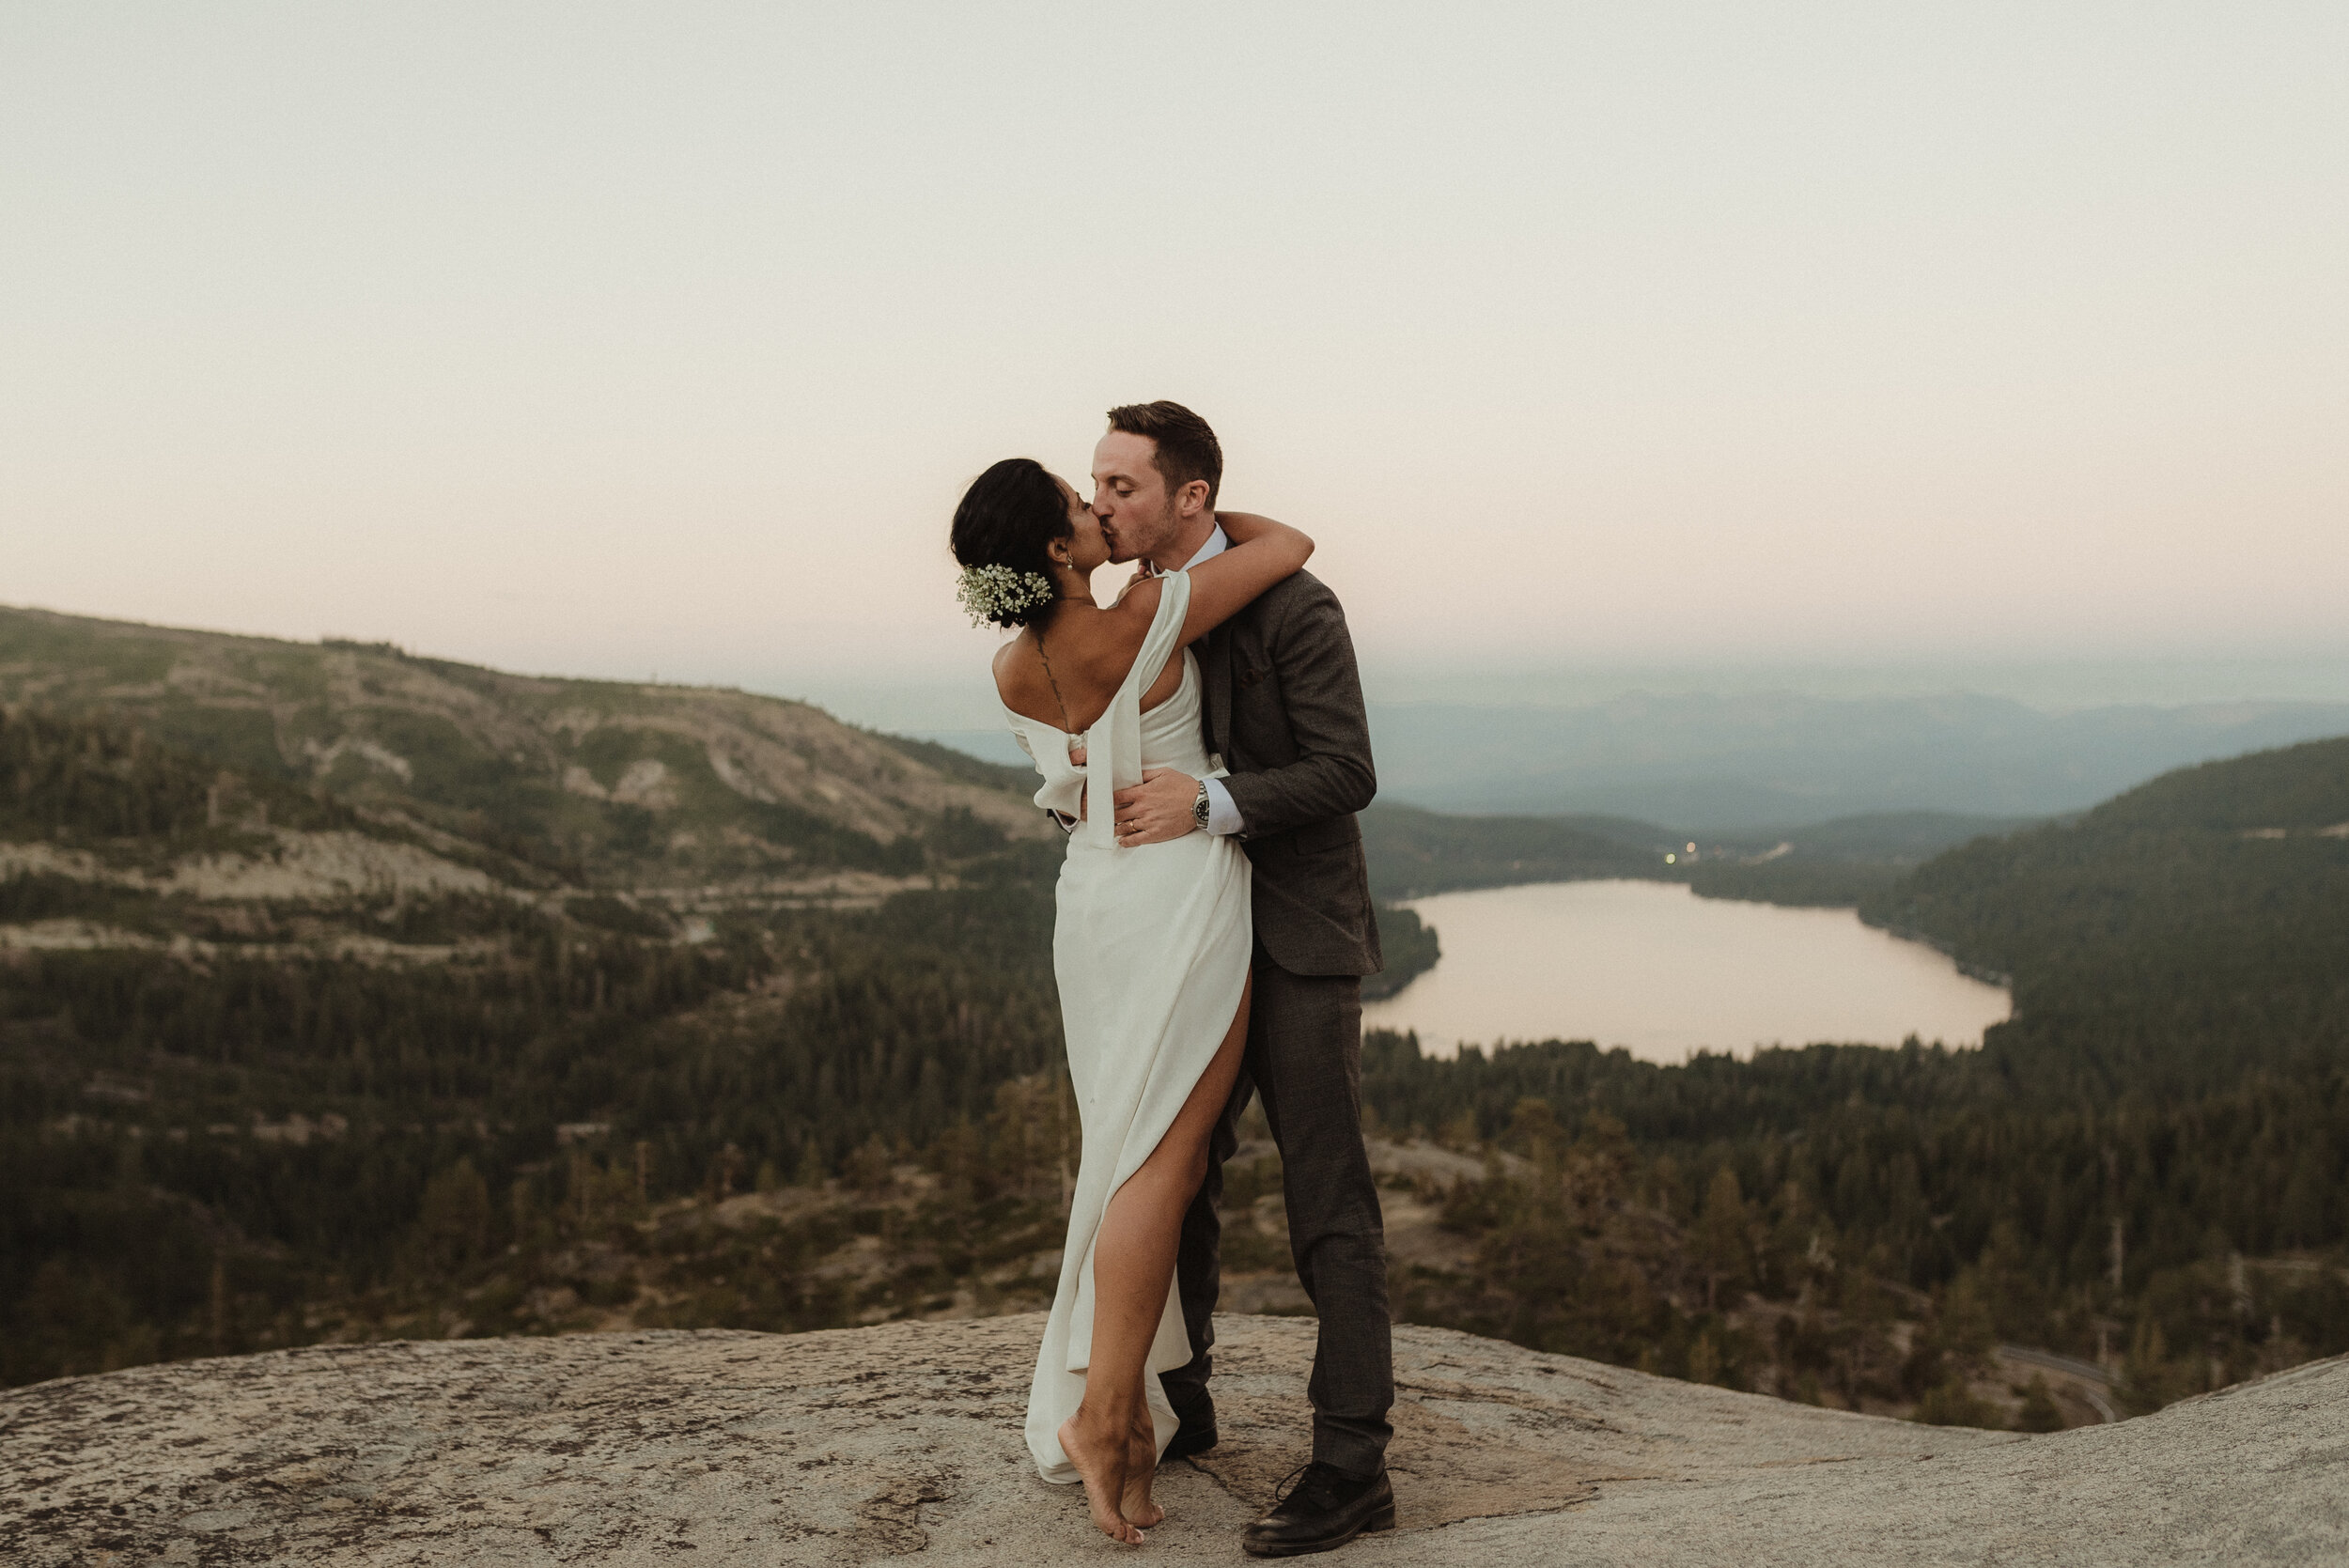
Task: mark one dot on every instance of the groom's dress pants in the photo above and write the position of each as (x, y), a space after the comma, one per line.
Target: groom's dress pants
(1304, 1056)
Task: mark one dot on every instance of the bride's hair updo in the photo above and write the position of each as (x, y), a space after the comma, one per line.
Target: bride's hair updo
(1007, 519)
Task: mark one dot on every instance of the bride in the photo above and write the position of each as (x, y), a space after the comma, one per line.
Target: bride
(1151, 945)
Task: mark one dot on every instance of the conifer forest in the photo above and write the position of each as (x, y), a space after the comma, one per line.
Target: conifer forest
(344, 995)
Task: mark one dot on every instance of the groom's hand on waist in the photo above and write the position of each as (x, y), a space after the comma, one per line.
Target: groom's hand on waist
(1156, 809)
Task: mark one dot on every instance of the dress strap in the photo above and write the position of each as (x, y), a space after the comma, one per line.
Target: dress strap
(1114, 744)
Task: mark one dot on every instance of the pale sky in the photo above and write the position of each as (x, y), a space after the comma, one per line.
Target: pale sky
(609, 339)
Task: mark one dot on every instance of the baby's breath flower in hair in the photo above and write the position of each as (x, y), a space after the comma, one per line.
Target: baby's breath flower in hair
(998, 595)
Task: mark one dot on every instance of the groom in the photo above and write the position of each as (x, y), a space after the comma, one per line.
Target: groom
(1283, 712)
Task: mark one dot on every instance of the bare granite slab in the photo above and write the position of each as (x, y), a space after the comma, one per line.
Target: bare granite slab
(903, 1441)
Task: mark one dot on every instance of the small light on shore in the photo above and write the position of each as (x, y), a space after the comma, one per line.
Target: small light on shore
(1671, 858)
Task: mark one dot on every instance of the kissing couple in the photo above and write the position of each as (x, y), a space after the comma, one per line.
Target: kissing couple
(1203, 744)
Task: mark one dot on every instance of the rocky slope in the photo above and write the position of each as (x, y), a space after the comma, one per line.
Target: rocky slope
(605, 782)
(903, 1441)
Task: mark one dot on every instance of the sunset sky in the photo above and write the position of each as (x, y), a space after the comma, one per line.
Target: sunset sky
(611, 339)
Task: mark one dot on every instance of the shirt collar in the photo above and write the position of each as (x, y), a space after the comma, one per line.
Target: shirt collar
(1217, 542)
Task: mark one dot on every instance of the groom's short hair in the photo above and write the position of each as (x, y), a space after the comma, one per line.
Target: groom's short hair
(1188, 449)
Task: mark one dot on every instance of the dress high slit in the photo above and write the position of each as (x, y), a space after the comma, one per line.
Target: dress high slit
(1150, 948)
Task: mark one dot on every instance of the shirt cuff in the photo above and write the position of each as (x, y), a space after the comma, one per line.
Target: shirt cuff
(1223, 816)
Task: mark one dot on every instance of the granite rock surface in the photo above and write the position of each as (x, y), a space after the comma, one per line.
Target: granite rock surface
(903, 1442)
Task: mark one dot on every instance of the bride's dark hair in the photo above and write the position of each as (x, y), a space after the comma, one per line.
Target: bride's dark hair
(1008, 517)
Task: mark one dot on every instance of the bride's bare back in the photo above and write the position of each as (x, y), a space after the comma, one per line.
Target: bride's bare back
(1066, 673)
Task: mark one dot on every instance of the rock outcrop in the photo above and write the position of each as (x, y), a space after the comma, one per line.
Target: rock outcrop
(903, 1441)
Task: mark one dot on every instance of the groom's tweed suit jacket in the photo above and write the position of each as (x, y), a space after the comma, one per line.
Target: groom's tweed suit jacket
(1285, 711)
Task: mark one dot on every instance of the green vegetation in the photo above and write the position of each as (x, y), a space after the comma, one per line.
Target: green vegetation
(1840, 863)
(1969, 1178)
(1795, 881)
(1413, 852)
(1409, 949)
(398, 1113)
(961, 765)
(230, 1154)
(1895, 838)
(100, 781)
(294, 1116)
(546, 782)
(2172, 939)
(2171, 1099)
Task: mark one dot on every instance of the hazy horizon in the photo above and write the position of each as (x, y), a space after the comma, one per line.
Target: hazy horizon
(611, 339)
(966, 700)
(963, 698)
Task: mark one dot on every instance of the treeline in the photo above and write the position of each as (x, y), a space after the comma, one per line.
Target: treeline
(96, 780)
(1413, 853)
(160, 1206)
(202, 1149)
(1797, 882)
(815, 1043)
(2171, 939)
(534, 1260)
(1939, 1172)
(1408, 948)
(2169, 1105)
(200, 1145)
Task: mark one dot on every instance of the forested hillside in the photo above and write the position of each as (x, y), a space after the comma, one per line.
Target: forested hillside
(567, 781)
(2174, 937)
(255, 1042)
(2168, 1108)
(1838, 863)
(279, 1062)
(1413, 852)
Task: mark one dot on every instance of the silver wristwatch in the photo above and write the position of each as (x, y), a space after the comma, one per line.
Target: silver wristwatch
(1199, 808)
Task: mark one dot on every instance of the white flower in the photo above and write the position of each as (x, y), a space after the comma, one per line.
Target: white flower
(993, 594)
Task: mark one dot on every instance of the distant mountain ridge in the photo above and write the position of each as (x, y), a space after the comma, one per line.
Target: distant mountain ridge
(589, 780)
(1757, 763)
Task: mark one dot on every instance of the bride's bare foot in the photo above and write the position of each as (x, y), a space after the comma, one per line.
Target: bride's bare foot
(1142, 1467)
(1101, 1465)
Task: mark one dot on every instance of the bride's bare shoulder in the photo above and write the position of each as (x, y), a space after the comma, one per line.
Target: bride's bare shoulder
(1006, 667)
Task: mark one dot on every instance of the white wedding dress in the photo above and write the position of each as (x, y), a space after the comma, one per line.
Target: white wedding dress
(1151, 950)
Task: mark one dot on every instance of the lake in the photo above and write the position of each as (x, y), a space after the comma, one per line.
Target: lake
(1653, 967)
